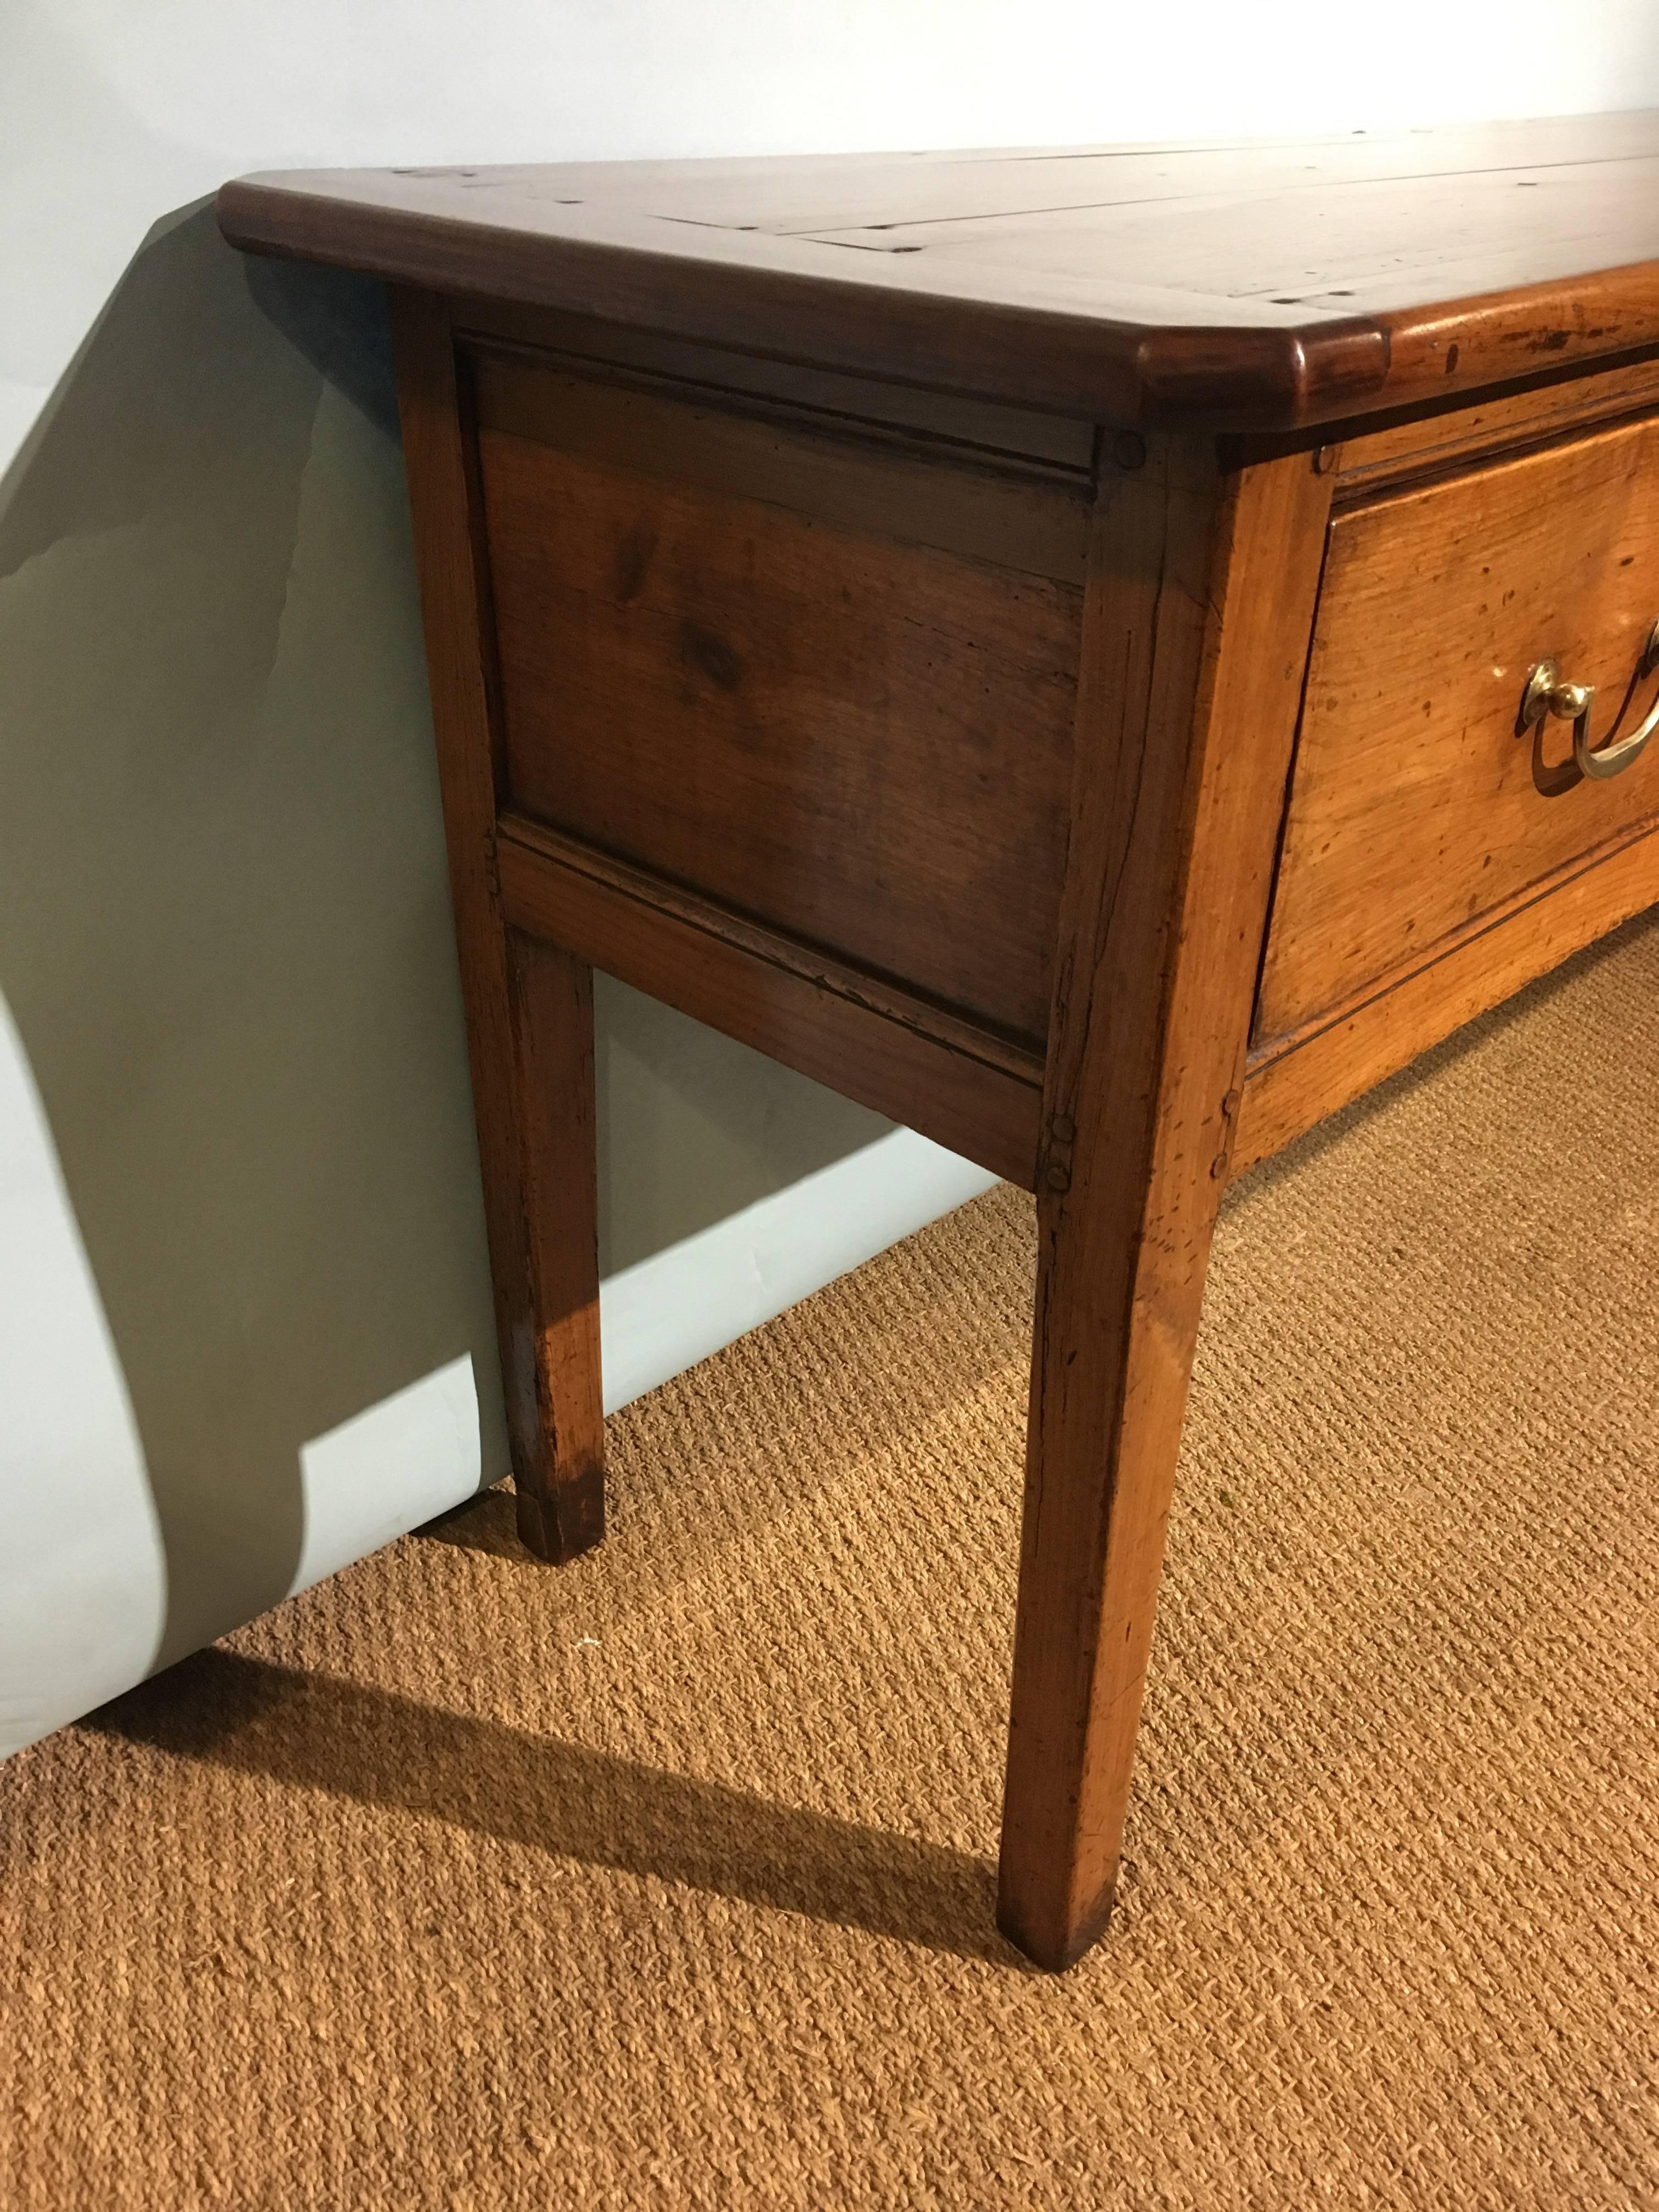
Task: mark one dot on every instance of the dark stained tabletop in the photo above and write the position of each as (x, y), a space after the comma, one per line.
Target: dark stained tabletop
(1264, 285)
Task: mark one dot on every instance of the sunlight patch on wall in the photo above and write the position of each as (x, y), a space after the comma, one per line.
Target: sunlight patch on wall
(386, 1470)
(82, 1574)
(663, 1314)
(417, 1453)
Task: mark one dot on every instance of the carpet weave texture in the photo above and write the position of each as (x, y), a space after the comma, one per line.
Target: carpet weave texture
(666, 1881)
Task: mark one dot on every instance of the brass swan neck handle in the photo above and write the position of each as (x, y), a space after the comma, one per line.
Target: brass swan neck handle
(1547, 694)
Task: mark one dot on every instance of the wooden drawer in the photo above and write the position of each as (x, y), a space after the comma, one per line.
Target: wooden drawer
(1420, 815)
(822, 677)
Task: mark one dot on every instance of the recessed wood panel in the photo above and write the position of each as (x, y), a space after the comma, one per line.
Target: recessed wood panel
(1417, 807)
(826, 683)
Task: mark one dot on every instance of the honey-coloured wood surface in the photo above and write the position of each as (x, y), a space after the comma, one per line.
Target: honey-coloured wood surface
(825, 683)
(1233, 287)
(1417, 805)
(1296, 1083)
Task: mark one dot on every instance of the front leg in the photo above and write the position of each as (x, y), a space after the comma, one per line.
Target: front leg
(1201, 594)
(529, 1004)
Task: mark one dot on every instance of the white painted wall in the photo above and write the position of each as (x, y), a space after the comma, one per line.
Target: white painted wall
(244, 1315)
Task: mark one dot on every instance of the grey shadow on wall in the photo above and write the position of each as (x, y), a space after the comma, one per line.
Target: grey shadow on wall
(224, 936)
(226, 947)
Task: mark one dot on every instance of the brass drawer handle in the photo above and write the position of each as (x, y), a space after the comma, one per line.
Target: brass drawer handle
(1545, 694)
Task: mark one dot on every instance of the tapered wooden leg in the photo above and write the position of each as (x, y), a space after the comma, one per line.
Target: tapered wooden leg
(529, 1004)
(552, 1353)
(1200, 602)
(1105, 1430)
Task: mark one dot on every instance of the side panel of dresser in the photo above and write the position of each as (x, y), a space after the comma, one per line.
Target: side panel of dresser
(761, 699)
(783, 669)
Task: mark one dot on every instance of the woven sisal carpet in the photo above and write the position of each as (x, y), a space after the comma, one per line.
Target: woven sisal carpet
(666, 1881)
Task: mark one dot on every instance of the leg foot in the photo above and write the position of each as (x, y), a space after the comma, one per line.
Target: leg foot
(560, 1528)
(1054, 1945)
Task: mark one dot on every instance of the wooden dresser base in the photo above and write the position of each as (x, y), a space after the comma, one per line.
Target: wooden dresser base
(1047, 665)
(1199, 588)
(1199, 591)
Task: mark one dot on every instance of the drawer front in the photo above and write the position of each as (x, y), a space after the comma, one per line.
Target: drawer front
(825, 682)
(1419, 811)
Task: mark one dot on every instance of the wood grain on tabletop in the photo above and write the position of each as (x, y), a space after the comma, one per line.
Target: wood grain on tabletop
(1256, 285)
